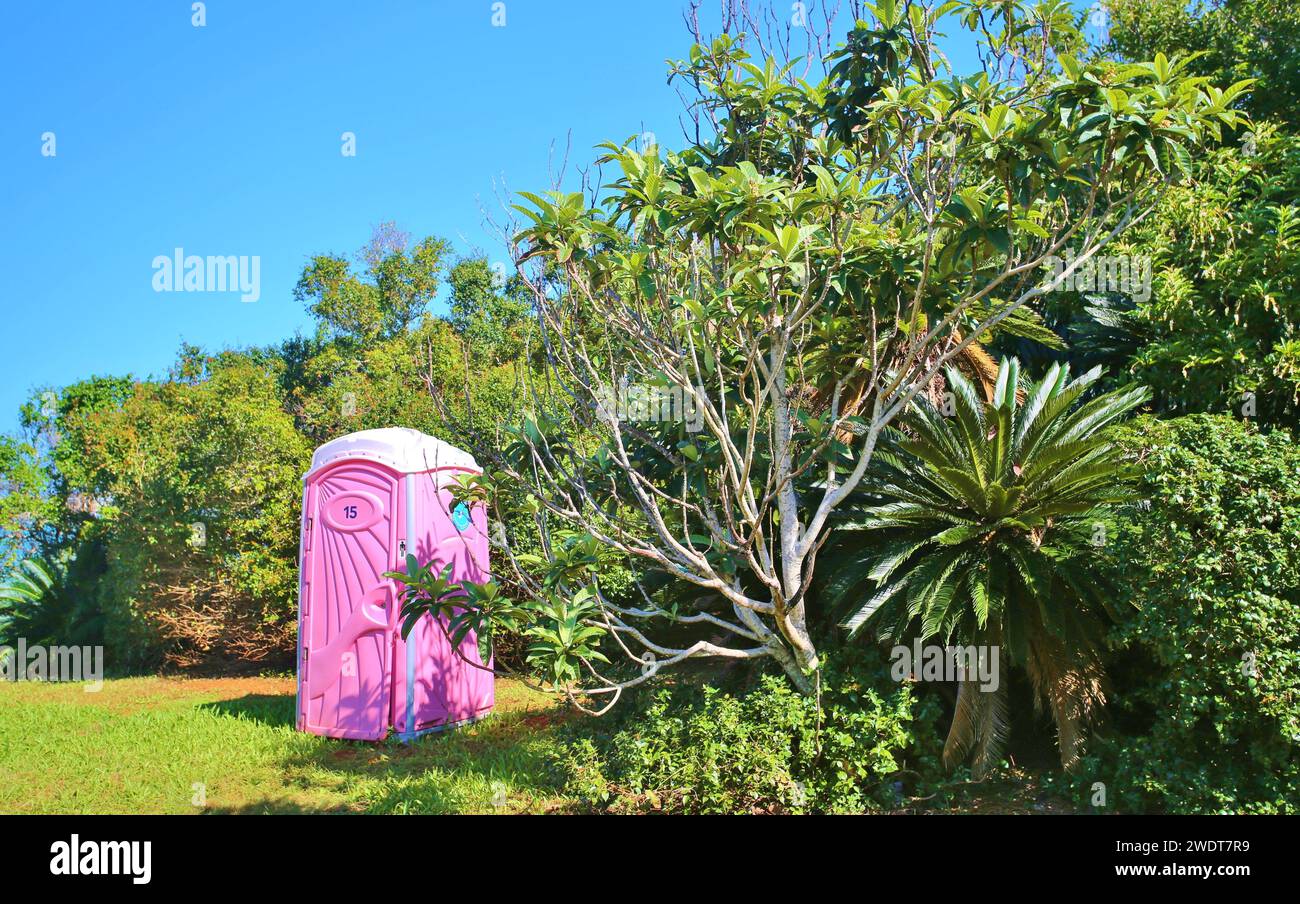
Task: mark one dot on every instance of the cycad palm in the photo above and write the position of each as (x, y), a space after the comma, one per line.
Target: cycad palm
(983, 515)
(41, 603)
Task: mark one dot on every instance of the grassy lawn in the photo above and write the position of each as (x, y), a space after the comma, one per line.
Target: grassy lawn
(140, 745)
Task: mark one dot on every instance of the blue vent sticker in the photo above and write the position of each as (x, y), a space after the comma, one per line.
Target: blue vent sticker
(460, 516)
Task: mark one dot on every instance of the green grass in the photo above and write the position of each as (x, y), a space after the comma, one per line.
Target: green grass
(141, 745)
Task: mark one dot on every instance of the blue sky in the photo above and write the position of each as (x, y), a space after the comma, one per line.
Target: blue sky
(225, 140)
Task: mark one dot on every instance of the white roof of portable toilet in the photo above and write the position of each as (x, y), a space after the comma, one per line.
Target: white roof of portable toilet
(402, 448)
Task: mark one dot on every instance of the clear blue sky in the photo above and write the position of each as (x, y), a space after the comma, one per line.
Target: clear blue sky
(225, 140)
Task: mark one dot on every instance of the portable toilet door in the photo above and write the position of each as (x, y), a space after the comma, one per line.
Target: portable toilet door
(365, 503)
(434, 685)
(345, 628)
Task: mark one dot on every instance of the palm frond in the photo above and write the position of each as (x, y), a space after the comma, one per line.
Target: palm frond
(979, 529)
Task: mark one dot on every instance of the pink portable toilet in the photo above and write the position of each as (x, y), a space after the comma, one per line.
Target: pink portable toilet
(368, 498)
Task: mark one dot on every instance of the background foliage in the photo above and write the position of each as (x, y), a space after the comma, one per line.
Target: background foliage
(170, 506)
(1207, 686)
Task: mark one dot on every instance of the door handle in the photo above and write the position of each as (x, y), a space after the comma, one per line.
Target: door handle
(379, 598)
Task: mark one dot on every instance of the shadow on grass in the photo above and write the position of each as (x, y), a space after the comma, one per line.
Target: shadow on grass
(505, 763)
(273, 710)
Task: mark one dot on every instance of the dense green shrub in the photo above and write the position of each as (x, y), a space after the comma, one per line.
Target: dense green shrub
(202, 477)
(1233, 40)
(1207, 687)
(1218, 333)
(698, 749)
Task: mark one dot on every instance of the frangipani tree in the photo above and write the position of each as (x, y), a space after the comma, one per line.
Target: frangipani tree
(782, 289)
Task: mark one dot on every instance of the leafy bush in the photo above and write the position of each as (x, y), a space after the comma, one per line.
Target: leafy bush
(197, 482)
(1218, 332)
(1208, 687)
(1235, 39)
(1215, 331)
(698, 749)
